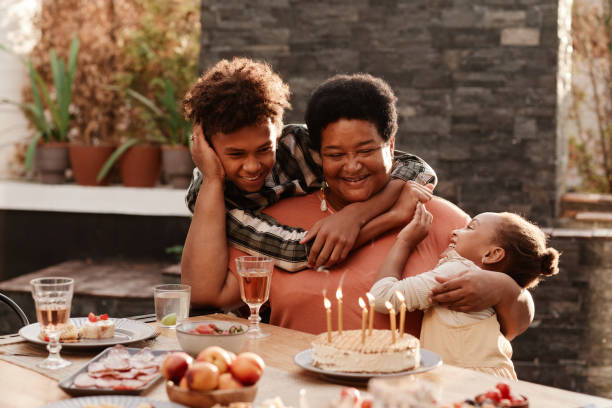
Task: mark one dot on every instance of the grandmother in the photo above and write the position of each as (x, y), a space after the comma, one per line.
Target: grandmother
(352, 122)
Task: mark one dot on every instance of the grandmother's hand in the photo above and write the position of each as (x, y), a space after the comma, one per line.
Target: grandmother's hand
(204, 157)
(468, 291)
(334, 237)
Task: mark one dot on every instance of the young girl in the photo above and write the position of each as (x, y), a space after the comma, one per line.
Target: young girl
(502, 242)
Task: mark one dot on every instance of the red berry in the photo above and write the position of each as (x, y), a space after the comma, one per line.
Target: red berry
(104, 316)
(494, 395)
(92, 317)
(350, 393)
(504, 389)
(366, 403)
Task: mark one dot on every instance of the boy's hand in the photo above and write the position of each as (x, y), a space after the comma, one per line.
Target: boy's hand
(335, 238)
(204, 157)
(418, 228)
(405, 206)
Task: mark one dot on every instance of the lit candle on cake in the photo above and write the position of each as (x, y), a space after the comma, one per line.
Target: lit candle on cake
(399, 295)
(364, 317)
(389, 307)
(327, 305)
(371, 323)
(339, 297)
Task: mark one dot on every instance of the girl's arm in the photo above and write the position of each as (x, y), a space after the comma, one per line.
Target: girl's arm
(415, 289)
(205, 255)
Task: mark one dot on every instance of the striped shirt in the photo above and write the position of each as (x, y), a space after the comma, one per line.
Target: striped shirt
(297, 171)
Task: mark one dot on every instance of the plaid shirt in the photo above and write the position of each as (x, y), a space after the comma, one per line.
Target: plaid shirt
(297, 171)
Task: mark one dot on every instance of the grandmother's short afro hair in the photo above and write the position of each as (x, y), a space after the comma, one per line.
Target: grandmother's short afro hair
(234, 94)
(358, 96)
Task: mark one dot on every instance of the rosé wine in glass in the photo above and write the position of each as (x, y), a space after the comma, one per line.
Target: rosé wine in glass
(53, 298)
(255, 278)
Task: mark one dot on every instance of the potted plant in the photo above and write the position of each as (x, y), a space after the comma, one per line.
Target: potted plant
(138, 161)
(48, 149)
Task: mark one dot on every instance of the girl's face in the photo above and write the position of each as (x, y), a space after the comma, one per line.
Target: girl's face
(247, 155)
(477, 239)
(356, 160)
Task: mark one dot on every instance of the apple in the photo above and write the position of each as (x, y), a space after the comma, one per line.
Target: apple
(175, 365)
(217, 356)
(232, 356)
(228, 382)
(202, 376)
(247, 368)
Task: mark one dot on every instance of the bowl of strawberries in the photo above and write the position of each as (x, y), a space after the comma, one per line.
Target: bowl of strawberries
(501, 396)
(196, 336)
(215, 376)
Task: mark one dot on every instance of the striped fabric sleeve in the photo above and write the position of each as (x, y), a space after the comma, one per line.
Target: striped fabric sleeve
(259, 234)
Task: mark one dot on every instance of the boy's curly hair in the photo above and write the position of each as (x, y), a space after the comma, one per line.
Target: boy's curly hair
(234, 94)
(357, 96)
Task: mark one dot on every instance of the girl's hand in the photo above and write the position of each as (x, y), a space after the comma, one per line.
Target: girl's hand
(405, 206)
(204, 157)
(418, 228)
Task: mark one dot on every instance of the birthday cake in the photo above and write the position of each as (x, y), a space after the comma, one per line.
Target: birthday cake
(346, 353)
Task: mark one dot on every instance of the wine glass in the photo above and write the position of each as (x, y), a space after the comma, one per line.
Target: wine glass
(255, 275)
(53, 297)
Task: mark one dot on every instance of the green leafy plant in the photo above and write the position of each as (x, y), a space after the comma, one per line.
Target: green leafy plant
(171, 123)
(55, 129)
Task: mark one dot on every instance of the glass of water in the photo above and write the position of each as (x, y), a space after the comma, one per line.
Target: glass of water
(171, 304)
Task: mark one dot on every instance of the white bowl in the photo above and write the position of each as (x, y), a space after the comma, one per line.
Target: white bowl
(193, 343)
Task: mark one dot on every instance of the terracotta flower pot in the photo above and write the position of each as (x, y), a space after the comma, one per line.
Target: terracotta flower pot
(140, 166)
(87, 161)
(177, 165)
(51, 161)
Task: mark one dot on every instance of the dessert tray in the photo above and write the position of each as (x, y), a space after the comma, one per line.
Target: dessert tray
(126, 331)
(118, 400)
(429, 361)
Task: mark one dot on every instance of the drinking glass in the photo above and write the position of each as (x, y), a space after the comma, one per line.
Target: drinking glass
(255, 275)
(53, 298)
(171, 304)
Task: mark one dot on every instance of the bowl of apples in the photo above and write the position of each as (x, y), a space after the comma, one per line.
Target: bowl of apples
(215, 376)
(196, 336)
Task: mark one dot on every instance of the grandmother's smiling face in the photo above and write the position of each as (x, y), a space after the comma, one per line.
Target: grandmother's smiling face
(356, 161)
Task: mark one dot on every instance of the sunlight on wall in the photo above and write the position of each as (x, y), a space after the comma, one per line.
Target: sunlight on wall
(17, 34)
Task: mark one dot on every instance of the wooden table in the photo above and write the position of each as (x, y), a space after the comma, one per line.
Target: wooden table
(24, 388)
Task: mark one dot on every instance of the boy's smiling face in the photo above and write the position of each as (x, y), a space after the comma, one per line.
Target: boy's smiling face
(247, 155)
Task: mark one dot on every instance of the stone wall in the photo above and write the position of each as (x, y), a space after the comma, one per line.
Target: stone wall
(569, 344)
(476, 80)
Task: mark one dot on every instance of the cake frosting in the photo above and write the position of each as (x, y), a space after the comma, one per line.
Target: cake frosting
(98, 327)
(346, 353)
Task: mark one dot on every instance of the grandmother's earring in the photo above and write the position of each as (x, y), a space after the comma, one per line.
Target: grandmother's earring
(323, 202)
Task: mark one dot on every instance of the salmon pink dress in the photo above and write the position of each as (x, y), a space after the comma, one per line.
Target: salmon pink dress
(296, 299)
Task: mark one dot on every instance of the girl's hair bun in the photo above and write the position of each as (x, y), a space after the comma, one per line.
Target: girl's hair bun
(550, 262)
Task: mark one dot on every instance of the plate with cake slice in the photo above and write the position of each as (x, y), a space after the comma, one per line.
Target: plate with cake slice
(93, 332)
(352, 357)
